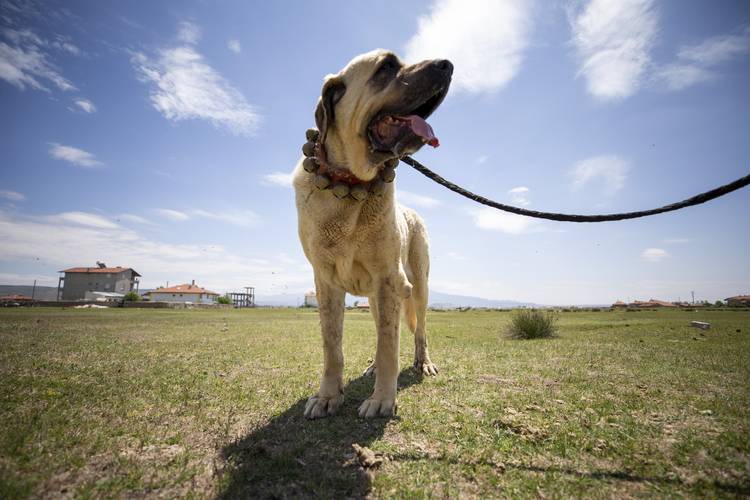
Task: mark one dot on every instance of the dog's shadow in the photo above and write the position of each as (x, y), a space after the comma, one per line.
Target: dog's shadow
(294, 457)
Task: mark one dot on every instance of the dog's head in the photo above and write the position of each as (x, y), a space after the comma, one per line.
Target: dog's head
(375, 109)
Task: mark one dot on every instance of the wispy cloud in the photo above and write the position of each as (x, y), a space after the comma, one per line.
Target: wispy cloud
(485, 39)
(496, 220)
(73, 155)
(186, 87)
(85, 105)
(481, 159)
(677, 241)
(235, 217)
(134, 218)
(417, 200)
(188, 32)
(610, 170)
(283, 179)
(519, 195)
(456, 256)
(654, 254)
(235, 46)
(79, 238)
(697, 63)
(25, 62)
(613, 40)
(11, 195)
(170, 214)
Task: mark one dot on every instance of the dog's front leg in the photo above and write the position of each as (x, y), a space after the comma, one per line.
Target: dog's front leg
(331, 394)
(383, 400)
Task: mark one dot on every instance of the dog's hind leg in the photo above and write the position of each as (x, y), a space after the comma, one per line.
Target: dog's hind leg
(331, 394)
(415, 307)
(372, 369)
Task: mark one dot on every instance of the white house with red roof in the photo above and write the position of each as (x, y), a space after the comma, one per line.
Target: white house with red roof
(187, 293)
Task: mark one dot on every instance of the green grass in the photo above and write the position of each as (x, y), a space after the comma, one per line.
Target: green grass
(127, 402)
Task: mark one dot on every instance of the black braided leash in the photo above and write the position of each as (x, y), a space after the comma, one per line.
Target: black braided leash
(695, 200)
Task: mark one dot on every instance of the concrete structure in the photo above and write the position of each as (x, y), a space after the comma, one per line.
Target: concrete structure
(311, 300)
(78, 280)
(246, 299)
(104, 296)
(187, 293)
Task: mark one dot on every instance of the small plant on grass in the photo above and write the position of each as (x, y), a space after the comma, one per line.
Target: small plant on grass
(532, 324)
(132, 297)
(224, 300)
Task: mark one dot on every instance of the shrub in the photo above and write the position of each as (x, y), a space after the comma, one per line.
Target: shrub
(132, 297)
(224, 300)
(532, 324)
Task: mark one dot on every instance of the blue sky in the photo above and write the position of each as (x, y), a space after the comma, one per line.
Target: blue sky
(161, 135)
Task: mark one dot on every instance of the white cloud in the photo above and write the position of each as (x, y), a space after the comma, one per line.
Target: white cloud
(481, 159)
(11, 195)
(60, 240)
(26, 63)
(85, 105)
(170, 214)
(654, 254)
(417, 200)
(186, 87)
(519, 195)
(82, 219)
(73, 155)
(485, 40)
(279, 178)
(610, 170)
(135, 218)
(696, 63)
(188, 32)
(613, 39)
(497, 220)
(234, 46)
(237, 217)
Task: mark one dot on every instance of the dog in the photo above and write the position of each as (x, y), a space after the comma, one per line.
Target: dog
(353, 232)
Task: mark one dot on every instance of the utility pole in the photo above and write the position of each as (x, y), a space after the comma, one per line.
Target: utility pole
(33, 291)
(693, 295)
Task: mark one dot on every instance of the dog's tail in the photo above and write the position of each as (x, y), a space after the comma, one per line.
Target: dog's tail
(410, 314)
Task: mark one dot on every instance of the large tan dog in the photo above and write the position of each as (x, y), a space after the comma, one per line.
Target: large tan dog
(368, 114)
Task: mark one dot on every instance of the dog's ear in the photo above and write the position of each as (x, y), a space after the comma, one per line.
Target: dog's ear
(333, 90)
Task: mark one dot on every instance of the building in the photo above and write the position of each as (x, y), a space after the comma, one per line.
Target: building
(187, 293)
(15, 299)
(311, 300)
(619, 305)
(76, 281)
(738, 301)
(651, 303)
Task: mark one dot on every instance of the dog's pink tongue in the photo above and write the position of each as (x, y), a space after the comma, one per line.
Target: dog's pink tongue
(420, 127)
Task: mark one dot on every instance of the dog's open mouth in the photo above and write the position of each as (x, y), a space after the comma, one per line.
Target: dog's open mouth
(393, 132)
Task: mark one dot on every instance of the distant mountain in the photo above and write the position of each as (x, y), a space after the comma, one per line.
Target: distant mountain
(41, 292)
(448, 301)
(437, 299)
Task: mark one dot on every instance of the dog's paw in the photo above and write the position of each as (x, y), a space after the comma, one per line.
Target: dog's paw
(371, 370)
(426, 367)
(319, 406)
(378, 408)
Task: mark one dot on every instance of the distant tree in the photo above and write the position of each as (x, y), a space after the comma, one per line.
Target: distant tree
(719, 303)
(132, 297)
(224, 300)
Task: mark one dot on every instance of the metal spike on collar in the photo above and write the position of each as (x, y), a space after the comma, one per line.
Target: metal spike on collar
(340, 190)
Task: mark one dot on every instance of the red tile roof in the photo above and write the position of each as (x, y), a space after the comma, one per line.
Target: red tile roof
(186, 288)
(14, 298)
(117, 269)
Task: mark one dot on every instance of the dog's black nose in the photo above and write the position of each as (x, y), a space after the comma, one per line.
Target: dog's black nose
(443, 65)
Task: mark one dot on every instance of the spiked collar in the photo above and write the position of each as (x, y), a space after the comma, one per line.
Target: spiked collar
(341, 181)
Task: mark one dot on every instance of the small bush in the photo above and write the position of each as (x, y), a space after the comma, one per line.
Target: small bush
(532, 324)
(224, 300)
(132, 297)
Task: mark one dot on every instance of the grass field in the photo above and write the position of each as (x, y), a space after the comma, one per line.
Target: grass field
(127, 402)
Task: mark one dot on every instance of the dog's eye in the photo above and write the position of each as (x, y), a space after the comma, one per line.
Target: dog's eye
(388, 66)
